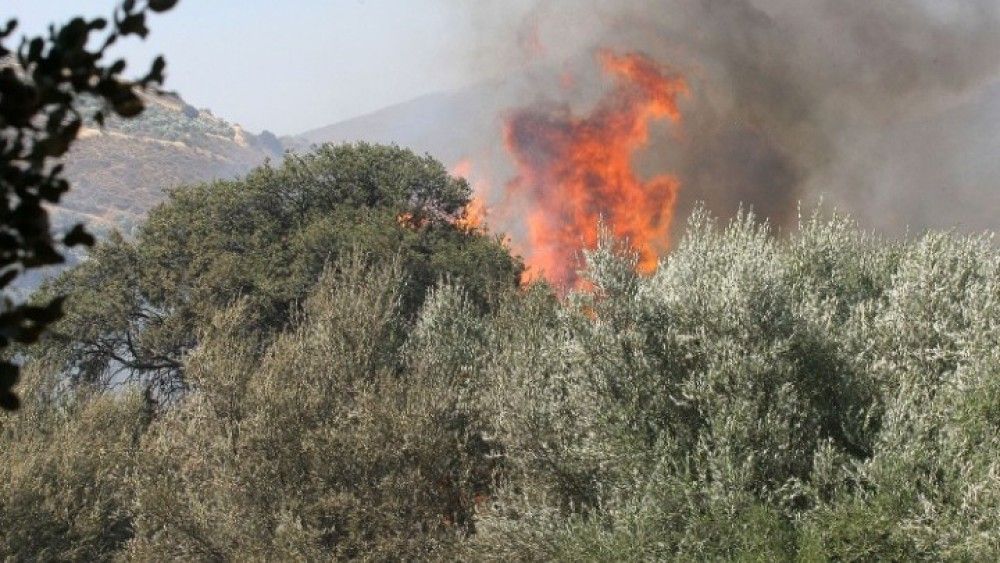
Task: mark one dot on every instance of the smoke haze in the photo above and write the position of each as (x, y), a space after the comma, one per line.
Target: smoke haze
(889, 110)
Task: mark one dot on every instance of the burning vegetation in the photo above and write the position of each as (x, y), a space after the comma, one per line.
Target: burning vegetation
(576, 171)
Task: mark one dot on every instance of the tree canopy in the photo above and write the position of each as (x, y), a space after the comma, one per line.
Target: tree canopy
(137, 306)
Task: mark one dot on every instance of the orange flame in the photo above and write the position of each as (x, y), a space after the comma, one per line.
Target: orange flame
(473, 217)
(573, 172)
(462, 169)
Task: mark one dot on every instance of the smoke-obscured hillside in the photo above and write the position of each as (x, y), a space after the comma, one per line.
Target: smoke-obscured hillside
(890, 111)
(953, 149)
(451, 126)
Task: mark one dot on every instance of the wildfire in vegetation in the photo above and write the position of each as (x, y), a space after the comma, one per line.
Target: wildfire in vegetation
(573, 171)
(474, 215)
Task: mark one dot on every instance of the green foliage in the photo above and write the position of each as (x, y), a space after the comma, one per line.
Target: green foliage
(43, 86)
(266, 238)
(65, 459)
(337, 444)
(828, 395)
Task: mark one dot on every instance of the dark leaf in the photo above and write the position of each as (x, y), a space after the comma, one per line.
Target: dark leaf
(43, 256)
(73, 36)
(78, 235)
(8, 277)
(161, 5)
(44, 314)
(126, 103)
(134, 24)
(53, 190)
(156, 72)
(8, 375)
(9, 28)
(9, 401)
(117, 67)
(35, 49)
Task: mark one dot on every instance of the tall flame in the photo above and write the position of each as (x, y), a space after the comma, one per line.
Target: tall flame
(573, 171)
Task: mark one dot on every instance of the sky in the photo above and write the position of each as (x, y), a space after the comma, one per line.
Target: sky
(291, 65)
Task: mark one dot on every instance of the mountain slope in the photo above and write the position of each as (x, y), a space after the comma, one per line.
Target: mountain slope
(120, 171)
(448, 125)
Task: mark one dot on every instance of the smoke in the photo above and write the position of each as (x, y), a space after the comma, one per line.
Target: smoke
(889, 110)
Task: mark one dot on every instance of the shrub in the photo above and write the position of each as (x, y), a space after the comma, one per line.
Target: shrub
(65, 459)
(823, 395)
(828, 395)
(337, 444)
(266, 238)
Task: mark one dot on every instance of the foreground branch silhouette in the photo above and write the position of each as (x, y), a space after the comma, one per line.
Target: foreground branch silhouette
(44, 84)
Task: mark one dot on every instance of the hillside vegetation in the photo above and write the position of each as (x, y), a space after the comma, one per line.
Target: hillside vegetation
(358, 377)
(122, 170)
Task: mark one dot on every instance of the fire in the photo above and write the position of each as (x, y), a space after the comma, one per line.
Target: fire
(574, 171)
(462, 169)
(474, 215)
(474, 218)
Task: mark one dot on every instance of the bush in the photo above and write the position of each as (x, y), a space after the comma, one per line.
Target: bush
(825, 395)
(266, 238)
(830, 395)
(65, 459)
(338, 444)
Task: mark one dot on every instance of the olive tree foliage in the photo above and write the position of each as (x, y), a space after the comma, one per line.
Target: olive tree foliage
(346, 440)
(829, 395)
(65, 460)
(139, 305)
(45, 84)
(825, 395)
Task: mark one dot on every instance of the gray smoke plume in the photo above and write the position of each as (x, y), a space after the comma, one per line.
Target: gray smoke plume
(889, 110)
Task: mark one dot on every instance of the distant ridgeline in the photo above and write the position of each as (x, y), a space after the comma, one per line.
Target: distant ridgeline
(120, 171)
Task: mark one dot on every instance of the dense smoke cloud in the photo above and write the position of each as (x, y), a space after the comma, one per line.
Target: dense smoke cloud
(890, 110)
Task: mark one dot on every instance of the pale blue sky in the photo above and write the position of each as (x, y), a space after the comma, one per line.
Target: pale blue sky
(292, 65)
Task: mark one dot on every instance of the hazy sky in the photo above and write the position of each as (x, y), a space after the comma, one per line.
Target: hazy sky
(292, 65)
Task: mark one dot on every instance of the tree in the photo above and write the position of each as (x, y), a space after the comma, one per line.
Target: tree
(139, 306)
(42, 88)
(347, 440)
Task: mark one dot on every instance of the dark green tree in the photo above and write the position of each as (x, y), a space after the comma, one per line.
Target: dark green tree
(138, 306)
(45, 83)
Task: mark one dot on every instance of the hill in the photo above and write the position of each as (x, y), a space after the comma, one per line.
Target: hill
(448, 125)
(930, 169)
(120, 172)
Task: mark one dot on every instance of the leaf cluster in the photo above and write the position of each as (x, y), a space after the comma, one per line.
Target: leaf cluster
(137, 307)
